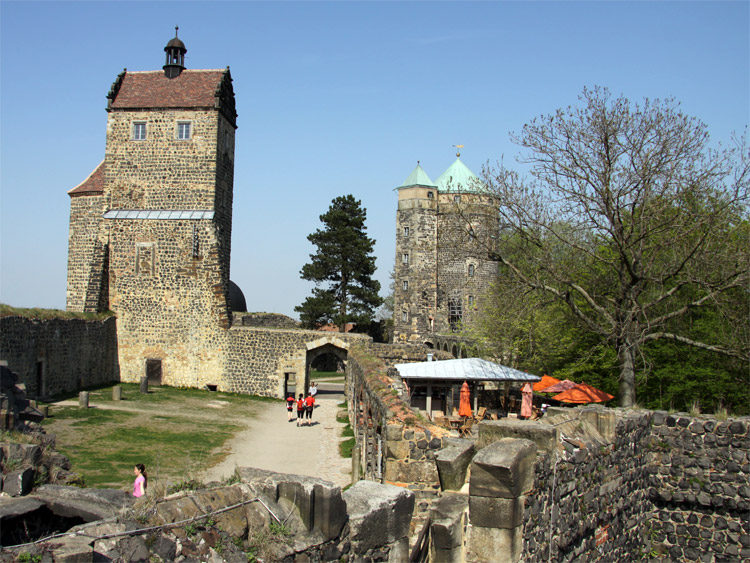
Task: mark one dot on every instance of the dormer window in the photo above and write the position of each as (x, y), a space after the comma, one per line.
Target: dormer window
(139, 131)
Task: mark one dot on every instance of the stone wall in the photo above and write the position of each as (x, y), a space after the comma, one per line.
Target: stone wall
(700, 487)
(58, 356)
(259, 361)
(263, 320)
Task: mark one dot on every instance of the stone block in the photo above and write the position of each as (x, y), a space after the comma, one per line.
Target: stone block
(397, 450)
(447, 515)
(379, 515)
(498, 545)
(87, 504)
(543, 435)
(503, 469)
(411, 471)
(452, 464)
(18, 483)
(73, 549)
(132, 548)
(496, 512)
(329, 510)
(234, 522)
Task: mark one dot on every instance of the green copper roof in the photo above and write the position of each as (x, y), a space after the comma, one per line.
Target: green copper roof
(458, 178)
(418, 177)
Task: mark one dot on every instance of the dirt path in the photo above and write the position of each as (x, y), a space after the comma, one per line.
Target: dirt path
(271, 442)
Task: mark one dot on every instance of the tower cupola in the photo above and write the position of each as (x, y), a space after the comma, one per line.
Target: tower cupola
(175, 51)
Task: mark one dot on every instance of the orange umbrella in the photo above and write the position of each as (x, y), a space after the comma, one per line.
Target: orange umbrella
(563, 385)
(464, 407)
(583, 393)
(545, 382)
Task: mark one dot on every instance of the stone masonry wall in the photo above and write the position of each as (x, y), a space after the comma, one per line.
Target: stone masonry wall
(63, 354)
(85, 216)
(258, 359)
(700, 488)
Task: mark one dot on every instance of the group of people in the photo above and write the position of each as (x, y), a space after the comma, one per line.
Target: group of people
(305, 406)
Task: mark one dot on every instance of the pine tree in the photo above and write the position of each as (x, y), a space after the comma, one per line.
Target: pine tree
(342, 269)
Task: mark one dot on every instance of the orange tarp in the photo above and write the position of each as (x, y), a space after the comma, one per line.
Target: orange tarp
(564, 385)
(583, 393)
(545, 382)
(464, 406)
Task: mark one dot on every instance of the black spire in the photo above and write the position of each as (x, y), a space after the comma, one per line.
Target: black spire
(175, 50)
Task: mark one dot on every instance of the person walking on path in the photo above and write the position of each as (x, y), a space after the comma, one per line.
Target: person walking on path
(309, 407)
(300, 409)
(140, 483)
(289, 406)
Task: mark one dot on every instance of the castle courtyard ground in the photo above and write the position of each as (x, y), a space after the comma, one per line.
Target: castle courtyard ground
(266, 439)
(270, 442)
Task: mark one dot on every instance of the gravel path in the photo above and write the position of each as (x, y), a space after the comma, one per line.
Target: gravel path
(271, 442)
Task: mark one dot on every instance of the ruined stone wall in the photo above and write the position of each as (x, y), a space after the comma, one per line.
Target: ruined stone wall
(700, 488)
(591, 502)
(393, 445)
(63, 355)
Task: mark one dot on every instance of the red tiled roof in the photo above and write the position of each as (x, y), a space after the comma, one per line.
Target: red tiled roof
(94, 184)
(151, 89)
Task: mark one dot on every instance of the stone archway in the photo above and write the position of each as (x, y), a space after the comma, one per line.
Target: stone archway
(324, 346)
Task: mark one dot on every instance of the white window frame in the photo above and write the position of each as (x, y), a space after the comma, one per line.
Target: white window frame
(136, 133)
(405, 285)
(406, 231)
(404, 316)
(471, 270)
(189, 125)
(405, 258)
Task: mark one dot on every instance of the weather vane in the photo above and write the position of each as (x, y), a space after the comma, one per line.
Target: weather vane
(458, 149)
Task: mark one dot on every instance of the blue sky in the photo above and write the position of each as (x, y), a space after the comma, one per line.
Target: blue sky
(333, 98)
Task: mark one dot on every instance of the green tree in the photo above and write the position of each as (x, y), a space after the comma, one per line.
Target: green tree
(631, 222)
(342, 269)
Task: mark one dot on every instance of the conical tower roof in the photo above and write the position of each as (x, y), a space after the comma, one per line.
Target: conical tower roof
(418, 177)
(458, 178)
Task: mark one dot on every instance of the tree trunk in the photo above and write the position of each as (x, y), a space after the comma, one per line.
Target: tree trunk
(625, 357)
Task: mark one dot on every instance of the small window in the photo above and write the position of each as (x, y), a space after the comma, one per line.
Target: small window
(471, 300)
(405, 258)
(430, 195)
(183, 130)
(406, 285)
(139, 130)
(406, 231)
(457, 198)
(471, 270)
(404, 316)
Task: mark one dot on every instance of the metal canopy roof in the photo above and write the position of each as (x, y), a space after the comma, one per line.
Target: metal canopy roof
(463, 369)
(418, 177)
(164, 214)
(458, 178)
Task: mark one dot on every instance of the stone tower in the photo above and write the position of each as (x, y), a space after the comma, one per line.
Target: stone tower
(441, 271)
(150, 228)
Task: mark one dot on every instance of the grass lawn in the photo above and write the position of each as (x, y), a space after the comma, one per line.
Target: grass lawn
(175, 433)
(316, 375)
